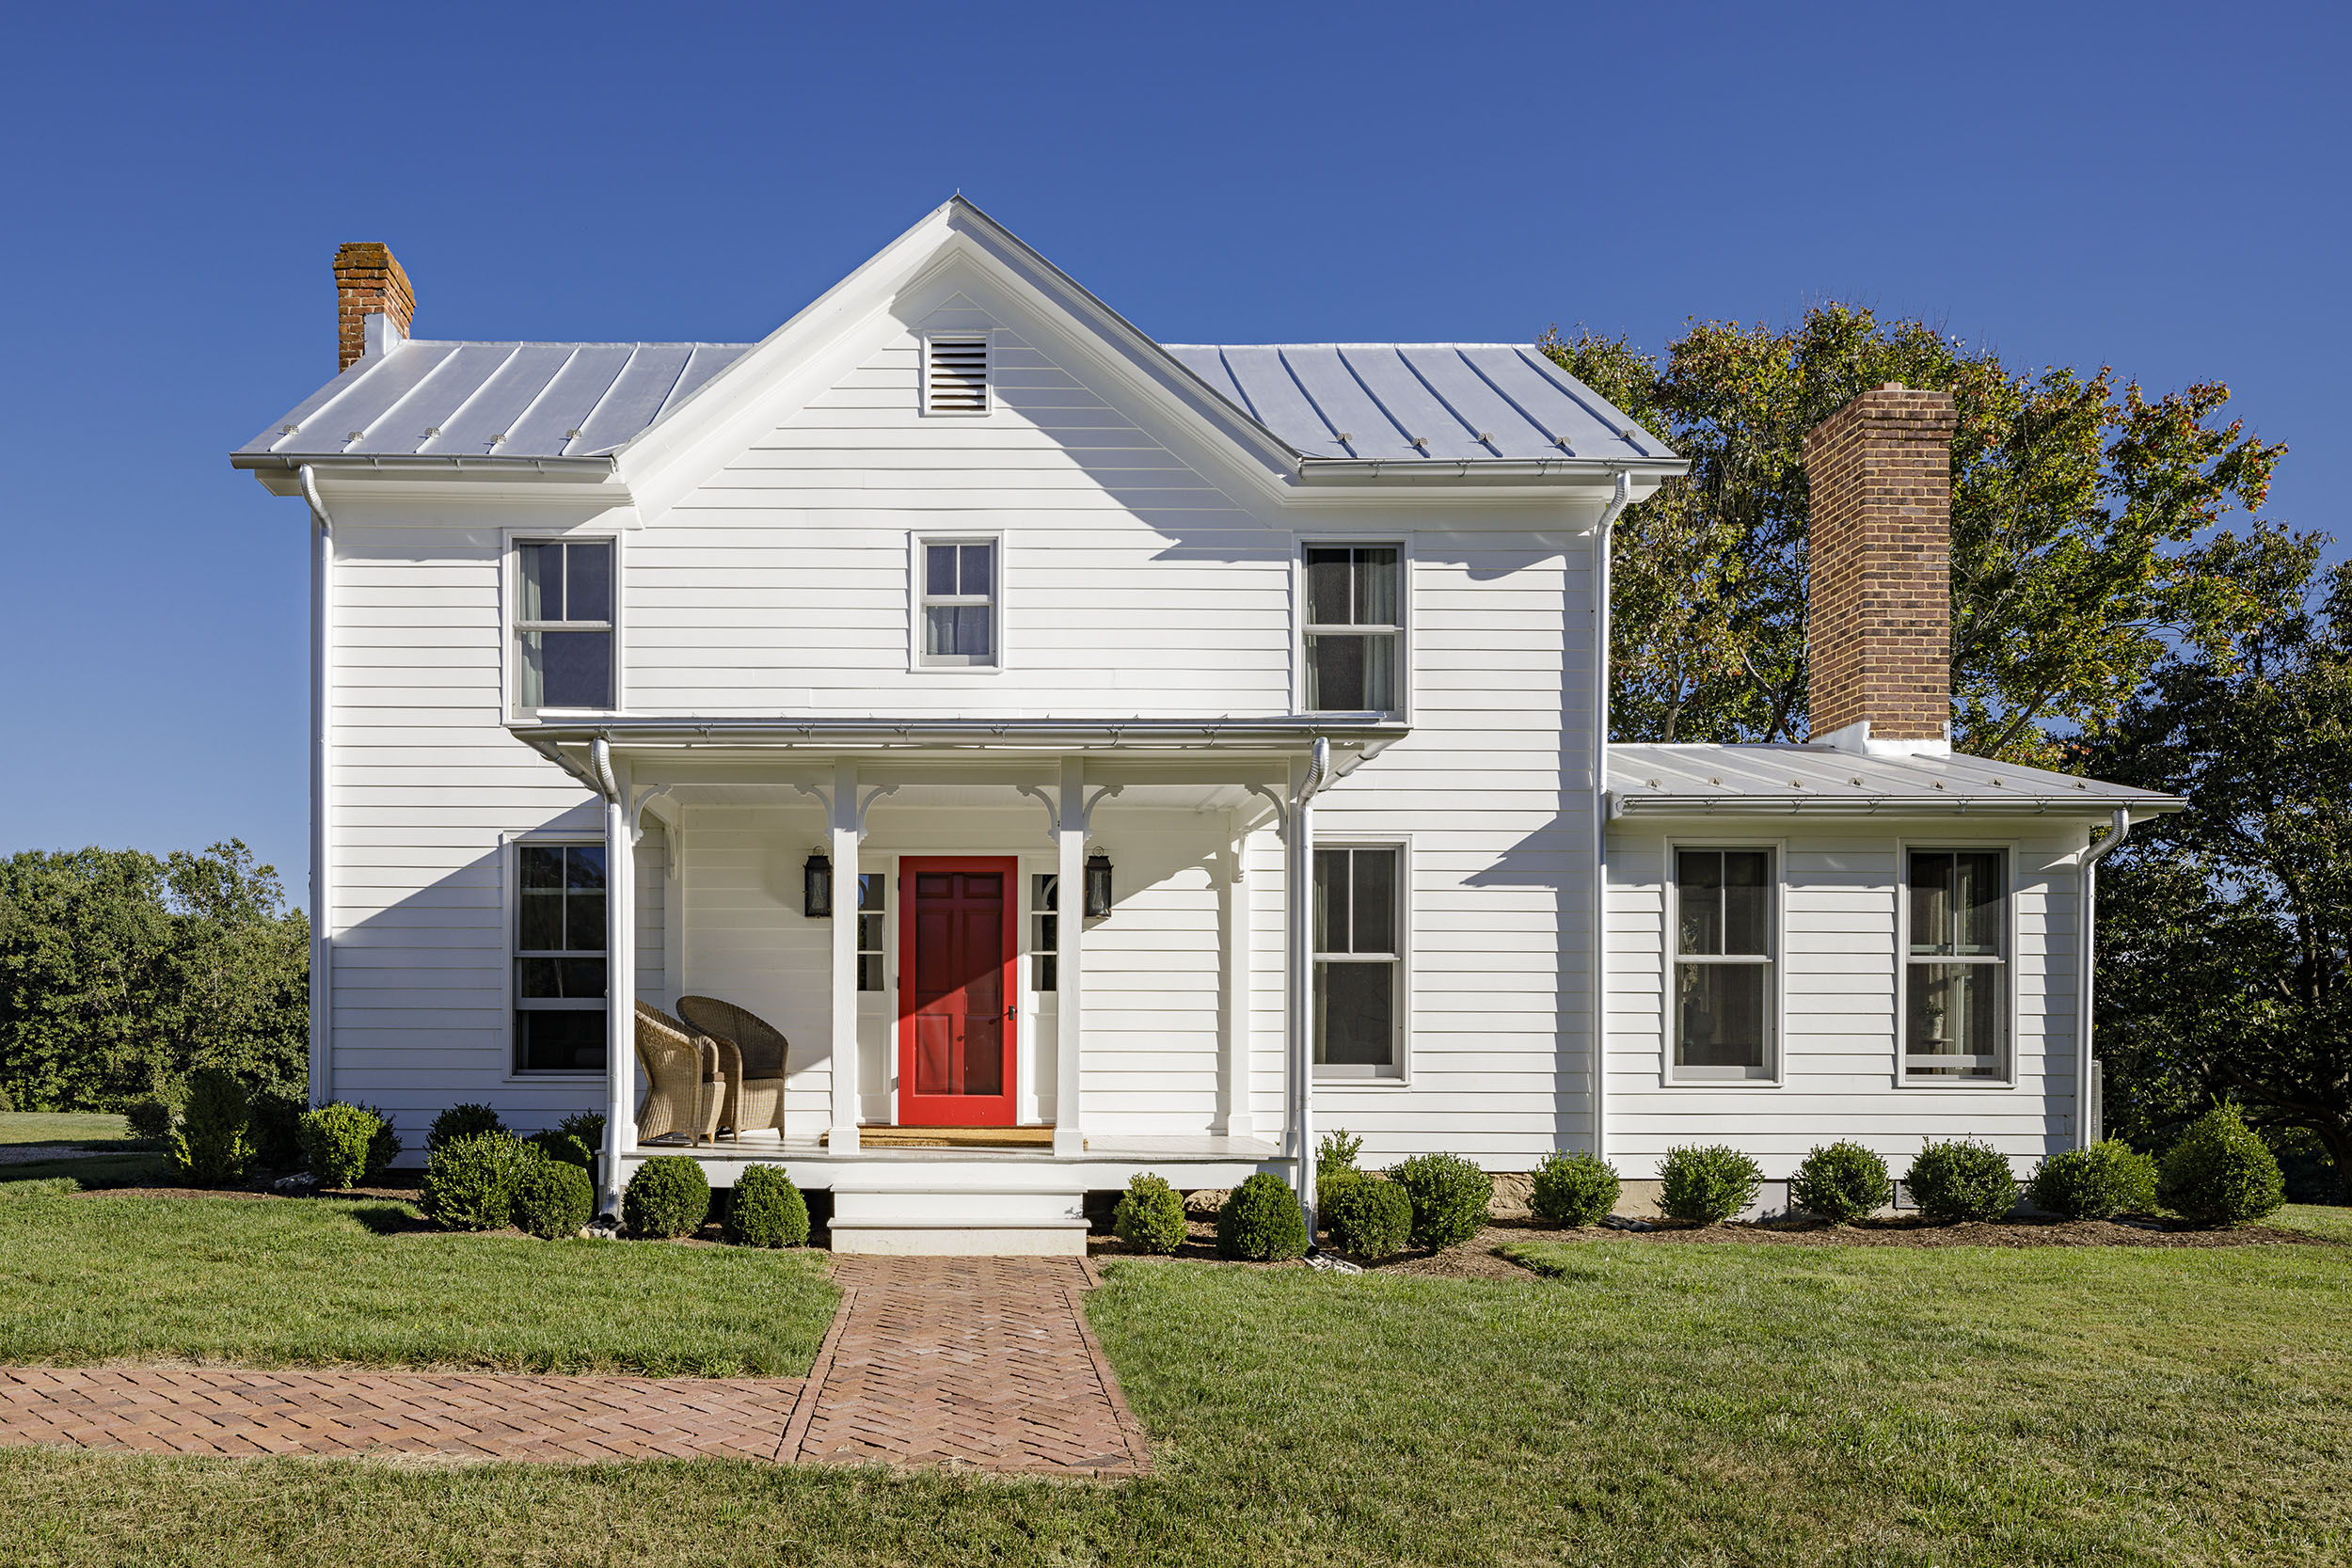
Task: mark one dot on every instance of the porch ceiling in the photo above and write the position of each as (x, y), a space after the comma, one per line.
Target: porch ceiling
(1196, 796)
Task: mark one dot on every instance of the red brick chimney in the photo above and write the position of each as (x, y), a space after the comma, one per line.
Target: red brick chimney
(1878, 617)
(370, 286)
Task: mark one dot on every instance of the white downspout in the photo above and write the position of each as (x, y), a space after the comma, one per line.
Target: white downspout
(322, 711)
(1302, 974)
(1599, 973)
(2086, 963)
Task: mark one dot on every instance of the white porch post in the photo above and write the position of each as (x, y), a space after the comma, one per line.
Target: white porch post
(1298, 979)
(1070, 970)
(842, 1138)
(620, 976)
(1234, 1119)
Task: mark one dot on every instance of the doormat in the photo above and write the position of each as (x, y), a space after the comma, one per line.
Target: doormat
(955, 1137)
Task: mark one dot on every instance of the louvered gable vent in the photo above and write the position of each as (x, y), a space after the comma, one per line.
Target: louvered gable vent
(955, 377)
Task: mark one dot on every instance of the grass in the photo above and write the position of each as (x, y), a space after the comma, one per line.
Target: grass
(267, 1283)
(2318, 1219)
(1631, 1404)
(62, 1127)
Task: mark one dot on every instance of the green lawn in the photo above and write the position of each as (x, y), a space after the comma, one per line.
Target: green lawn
(61, 1127)
(1633, 1404)
(2329, 1220)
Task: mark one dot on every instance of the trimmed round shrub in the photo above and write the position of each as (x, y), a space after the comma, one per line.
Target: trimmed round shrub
(461, 1121)
(766, 1210)
(153, 1117)
(469, 1183)
(1961, 1179)
(339, 1143)
(1150, 1216)
(212, 1143)
(2094, 1183)
(1451, 1199)
(1574, 1189)
(552, 1199)
(668, 1197)
(1262, 1220)
(563, 1146)
(1370, 1218)
(1707, 1183)
(386, 1145)
(1841, 1183)
(2220, 1173)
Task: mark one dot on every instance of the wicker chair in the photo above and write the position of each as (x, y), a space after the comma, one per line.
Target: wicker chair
(689, 1082)
(754, 1055)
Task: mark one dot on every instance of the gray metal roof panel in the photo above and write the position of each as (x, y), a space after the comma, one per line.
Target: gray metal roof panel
(633, 401)
(1797, 776)
(1260, 382)
(494, 406)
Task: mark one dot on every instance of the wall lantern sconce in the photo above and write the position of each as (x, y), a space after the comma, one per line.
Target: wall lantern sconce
(1098, 885)
(817, 886)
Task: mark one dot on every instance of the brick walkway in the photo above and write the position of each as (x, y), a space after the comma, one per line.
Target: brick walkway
(958, 1361)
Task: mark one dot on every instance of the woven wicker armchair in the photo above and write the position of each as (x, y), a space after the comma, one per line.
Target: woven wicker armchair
(689, 1084)
(754, 1053)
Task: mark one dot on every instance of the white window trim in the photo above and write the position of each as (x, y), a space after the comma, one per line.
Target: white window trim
(988, 382)
(510, 600)
(1776, 994)
(1401, 1077)
(1402, 542)
(2009, 1014)
(915, 542)
(511, 853)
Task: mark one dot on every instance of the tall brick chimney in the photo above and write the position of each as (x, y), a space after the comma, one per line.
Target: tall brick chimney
(1878, 617)
(374, 303)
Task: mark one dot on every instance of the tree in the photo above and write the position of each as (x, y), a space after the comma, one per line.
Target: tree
(2225, 933)
(2086, 537)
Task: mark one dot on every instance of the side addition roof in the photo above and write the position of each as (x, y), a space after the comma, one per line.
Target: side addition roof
(1787, 779)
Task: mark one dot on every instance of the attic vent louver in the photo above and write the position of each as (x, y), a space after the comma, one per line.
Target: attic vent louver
(955, 376)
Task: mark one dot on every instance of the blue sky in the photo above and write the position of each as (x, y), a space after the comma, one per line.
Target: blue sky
(2158, 187)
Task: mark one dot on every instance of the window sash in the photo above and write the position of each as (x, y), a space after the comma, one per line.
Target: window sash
(573, 979)
(959, 576)
(1956, 1024)
(1352, 628)
(1358, 920)
(554, 574)
(1724, 952)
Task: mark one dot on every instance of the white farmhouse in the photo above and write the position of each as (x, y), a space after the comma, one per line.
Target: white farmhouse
(1091, 755)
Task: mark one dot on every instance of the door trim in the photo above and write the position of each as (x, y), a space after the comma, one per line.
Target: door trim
(998, 1110)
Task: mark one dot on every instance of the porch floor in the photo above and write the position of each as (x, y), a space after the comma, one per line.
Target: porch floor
(1191, 1162)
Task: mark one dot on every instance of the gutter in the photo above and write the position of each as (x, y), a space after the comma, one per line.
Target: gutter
(322, 711)
(1605, 808)
(390, 462)
(1940, 804)
(993, 733)
(2119, 827)
(1454, 469)
(1301, 976)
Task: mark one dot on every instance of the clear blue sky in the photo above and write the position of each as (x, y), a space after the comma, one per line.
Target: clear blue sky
(2158, 187)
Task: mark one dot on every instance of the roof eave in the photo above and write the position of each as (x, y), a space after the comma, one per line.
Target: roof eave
(570, 467)
(1485, 470)
(2004, 804)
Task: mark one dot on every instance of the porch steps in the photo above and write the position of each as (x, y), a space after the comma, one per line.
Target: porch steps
(910, 1210)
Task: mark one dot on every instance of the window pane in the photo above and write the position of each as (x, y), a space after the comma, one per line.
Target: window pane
(1954, 1010)
(979, 569)
(1048, 971)
(1356, 1014)
(542, 582)
(1977, 889)
(961, 630)
(558, 978)
(567, 1040)
(872, 892)
(1337, 681)
(1048, 933)
(1376, 588)
(576, 670)
(587, 583)
(1699, 900)
(583, 922)
(533, 672)
(869, 932)
(869, 972)
(1930, 901)
(541, 925)
(1331, 901)
(1041, 890)
(1329, 601)
(542, 865)
(583, 867)
(1373, 927)
(1719, 1014)
(939, 569)
(1747, 900)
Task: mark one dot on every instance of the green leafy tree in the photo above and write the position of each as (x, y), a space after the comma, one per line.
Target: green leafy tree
(2086, 536)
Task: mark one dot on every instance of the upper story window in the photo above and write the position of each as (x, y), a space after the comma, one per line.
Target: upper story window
(1359, 967)
(1354, 627)
(564, 623)
(1723, 963)
(955, 373)
(1955, 976)
(959, 608)
(559, 957)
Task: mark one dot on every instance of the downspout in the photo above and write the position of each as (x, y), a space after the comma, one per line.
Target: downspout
(1598, 980)
(620, 1024)
(322, 709)
(2086, 963)
(1302, 967)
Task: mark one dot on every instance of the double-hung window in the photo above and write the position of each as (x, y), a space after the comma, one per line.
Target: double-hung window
(1358, 965)
(564, 623)
(1722, 964)
(959, 608)
(1355, 628)
(559, 957)
(1955, 976)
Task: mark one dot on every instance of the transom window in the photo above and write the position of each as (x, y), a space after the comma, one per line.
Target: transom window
(1357, 921)
(1723, 963)
(1046, 931)
(1355, 628)
(1955, 976)
(960, 602)
(872, 893)
(564, 623)
(560, 959)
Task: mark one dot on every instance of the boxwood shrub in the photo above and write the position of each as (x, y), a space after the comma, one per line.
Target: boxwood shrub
(1841, 1182)
(1335, 1162)
(2220, 1173)
(469, 1182)
(1707, 1183)
(552, 1199)
(1261, 1221)
(766, 1210)
(2094, 1183)
(1574, 1189)
(668, 1197)
(1451, 1199)
(1961, 1179)
(461, 1121)
(1150, 1216)
(563, 1146)
(343, 1145)
(212, 1143)
(1370, 1218)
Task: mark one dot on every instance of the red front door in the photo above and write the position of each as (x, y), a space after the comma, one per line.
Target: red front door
(956, 1063)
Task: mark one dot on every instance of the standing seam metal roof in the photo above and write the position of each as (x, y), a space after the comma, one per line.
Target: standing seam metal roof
(1794, 777)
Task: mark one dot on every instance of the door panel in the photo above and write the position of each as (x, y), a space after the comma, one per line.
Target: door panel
(956, 1042)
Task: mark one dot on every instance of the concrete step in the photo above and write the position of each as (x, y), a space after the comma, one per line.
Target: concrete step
(1025, 1216)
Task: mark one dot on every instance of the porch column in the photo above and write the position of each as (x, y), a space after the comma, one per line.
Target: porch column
(1071, 902)
(842, 1138)
(1298, 975)
(1232, 1092)
(620, 976)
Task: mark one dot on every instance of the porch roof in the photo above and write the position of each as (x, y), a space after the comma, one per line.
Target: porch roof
(1707, 779)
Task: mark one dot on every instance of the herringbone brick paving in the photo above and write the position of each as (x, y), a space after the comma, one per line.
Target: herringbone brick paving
(978, 1362)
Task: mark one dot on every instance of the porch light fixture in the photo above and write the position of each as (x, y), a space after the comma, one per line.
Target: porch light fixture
(817, 886)
(1098, 885)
